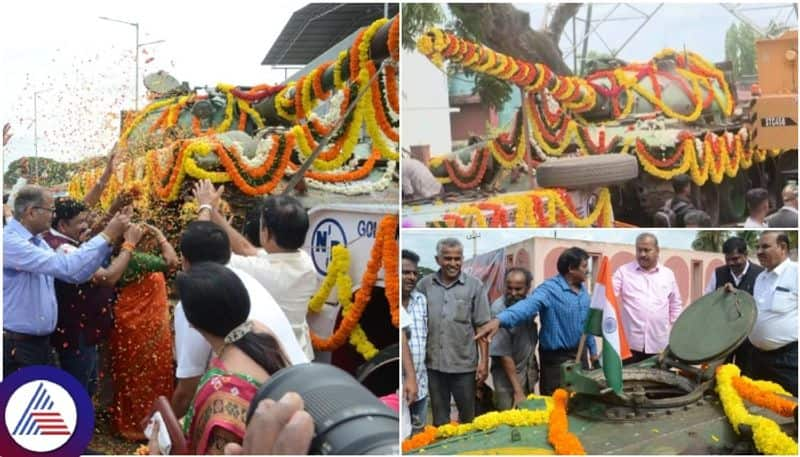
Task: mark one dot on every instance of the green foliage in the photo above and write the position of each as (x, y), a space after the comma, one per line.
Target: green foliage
(51, 172)
(418, 17)
(494, 92)
(710, 240)
(424, 271)
(740, 49)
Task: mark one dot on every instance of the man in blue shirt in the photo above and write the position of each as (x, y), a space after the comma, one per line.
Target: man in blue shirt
(30, 265)
(563, 306)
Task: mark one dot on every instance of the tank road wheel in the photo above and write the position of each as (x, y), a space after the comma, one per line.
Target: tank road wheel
(587, 171)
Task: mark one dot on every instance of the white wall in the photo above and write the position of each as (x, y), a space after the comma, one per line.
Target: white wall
(425, 108)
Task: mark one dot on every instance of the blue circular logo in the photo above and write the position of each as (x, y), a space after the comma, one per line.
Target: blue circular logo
(327, 234)
(46, 413)
(609, 325)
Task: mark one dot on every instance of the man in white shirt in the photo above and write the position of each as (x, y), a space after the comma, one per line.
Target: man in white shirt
(758, 206)
(774, 335)
(204, 241)
(286, 271)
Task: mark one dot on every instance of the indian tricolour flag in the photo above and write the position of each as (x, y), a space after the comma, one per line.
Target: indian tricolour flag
(604, 319)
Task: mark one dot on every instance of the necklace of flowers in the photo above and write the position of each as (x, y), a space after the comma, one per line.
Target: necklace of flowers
(529, 209)
(351, 318)
(499, 213)
(354, 175)
(437, 46)
(488, 421)
(338, 274)
(391, 252)
(473, 214)
(558, 434)
(356, 187)
(717, 159)
(767, 435)
(472, 176)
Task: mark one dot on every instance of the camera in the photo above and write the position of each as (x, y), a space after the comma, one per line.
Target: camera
(348, 418)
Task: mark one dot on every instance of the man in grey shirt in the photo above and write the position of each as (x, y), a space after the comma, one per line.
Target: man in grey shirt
(515, 369)
(457, 305)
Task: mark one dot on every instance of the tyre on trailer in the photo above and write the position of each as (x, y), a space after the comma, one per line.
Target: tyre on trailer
(587, 171)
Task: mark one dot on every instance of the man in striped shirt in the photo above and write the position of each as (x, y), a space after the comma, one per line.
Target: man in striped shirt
(562, 304)
(417, 309)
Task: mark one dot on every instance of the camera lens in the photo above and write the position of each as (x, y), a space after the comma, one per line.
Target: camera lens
(348, 418)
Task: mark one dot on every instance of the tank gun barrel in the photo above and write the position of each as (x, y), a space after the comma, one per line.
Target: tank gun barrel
(682, 85)
(380, 49)
(573, 93)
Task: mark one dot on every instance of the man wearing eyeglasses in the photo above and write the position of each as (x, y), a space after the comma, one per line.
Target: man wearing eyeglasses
(30, 265)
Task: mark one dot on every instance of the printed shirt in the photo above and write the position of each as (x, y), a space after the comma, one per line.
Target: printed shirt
(650, 302)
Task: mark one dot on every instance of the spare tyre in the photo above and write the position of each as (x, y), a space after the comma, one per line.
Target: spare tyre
(587, 171)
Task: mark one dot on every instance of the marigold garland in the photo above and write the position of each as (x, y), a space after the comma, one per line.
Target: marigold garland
(767, 435)
(530, 210)
(391, 251)
(750, 392)
(488, 421)
(376, 113)
(350, 319)
(696, 76)
(558, 434)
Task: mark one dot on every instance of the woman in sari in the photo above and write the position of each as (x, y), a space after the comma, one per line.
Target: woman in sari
(141, 343)
(245, 355)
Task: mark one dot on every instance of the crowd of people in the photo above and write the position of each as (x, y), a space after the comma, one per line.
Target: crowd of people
(87, 290)
(681, 211)
(452, 333)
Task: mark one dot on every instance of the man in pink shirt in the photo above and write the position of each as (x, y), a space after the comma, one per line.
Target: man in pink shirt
(650, 300)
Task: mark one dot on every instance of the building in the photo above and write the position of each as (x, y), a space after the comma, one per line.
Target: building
(693, 269)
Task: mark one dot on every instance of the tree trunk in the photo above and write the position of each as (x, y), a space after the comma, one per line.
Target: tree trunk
(506, 29)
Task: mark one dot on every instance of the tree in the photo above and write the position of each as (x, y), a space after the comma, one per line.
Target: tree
(418, 17)
(710, 240)
(740, 49)
(503, 28)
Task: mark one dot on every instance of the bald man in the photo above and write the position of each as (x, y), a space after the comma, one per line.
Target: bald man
(787, 215)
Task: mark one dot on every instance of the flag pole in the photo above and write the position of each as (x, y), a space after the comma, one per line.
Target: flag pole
(580, 347)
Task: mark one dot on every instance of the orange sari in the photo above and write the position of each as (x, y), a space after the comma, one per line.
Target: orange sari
(141, 349)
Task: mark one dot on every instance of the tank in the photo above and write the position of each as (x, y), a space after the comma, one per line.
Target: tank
(255, 141)
(668, 403)
(674, 114)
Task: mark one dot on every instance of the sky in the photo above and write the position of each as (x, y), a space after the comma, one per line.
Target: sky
(86, 65)
(423, 242)
(85, 69)
(700, 27)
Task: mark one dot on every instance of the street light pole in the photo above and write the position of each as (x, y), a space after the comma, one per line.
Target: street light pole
(135, 56)
(474, 235)
(36, 133)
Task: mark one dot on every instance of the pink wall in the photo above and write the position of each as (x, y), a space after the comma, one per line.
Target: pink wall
(471, 120)
(687, 265)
